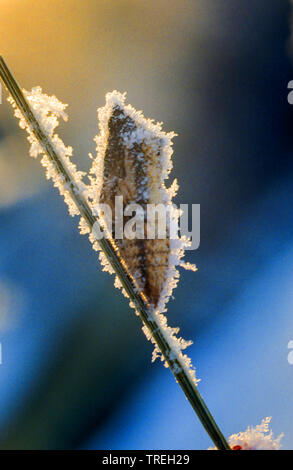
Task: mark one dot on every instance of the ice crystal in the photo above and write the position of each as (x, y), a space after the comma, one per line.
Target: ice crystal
(259, 437)
(48, 110)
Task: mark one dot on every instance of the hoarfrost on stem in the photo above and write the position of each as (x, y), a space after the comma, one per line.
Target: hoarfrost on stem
(48, 110)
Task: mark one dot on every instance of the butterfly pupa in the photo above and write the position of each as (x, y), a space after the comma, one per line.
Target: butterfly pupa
(133, 160)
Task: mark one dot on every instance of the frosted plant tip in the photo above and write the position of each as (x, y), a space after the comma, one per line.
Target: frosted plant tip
(259, 437)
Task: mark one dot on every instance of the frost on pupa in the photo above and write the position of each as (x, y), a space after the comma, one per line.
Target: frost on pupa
(133, 161)
(259, 437)
(48, 110)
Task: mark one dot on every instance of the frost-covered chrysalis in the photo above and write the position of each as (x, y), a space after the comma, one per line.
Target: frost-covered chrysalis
(133, 160)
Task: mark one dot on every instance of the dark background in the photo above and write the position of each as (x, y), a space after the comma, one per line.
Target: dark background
(76, 369)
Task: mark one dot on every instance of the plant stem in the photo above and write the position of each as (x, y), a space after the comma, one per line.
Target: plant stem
(176, 365)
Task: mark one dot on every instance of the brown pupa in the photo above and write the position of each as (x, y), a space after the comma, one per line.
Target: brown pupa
(133, 161)
(134, 175)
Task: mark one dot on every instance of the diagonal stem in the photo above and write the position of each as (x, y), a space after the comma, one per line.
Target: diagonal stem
(181, 373)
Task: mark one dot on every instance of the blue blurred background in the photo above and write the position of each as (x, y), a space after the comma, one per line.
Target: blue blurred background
(76, 369)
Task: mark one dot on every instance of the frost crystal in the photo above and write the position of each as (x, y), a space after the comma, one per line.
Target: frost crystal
(258, 438)
(48, 109)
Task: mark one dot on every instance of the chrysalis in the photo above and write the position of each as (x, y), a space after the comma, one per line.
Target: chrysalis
(133, 160)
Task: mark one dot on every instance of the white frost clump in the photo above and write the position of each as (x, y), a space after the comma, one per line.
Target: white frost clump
(258, 438)
(48, 110)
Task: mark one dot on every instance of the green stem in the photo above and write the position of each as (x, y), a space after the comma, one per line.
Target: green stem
(181, 373)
